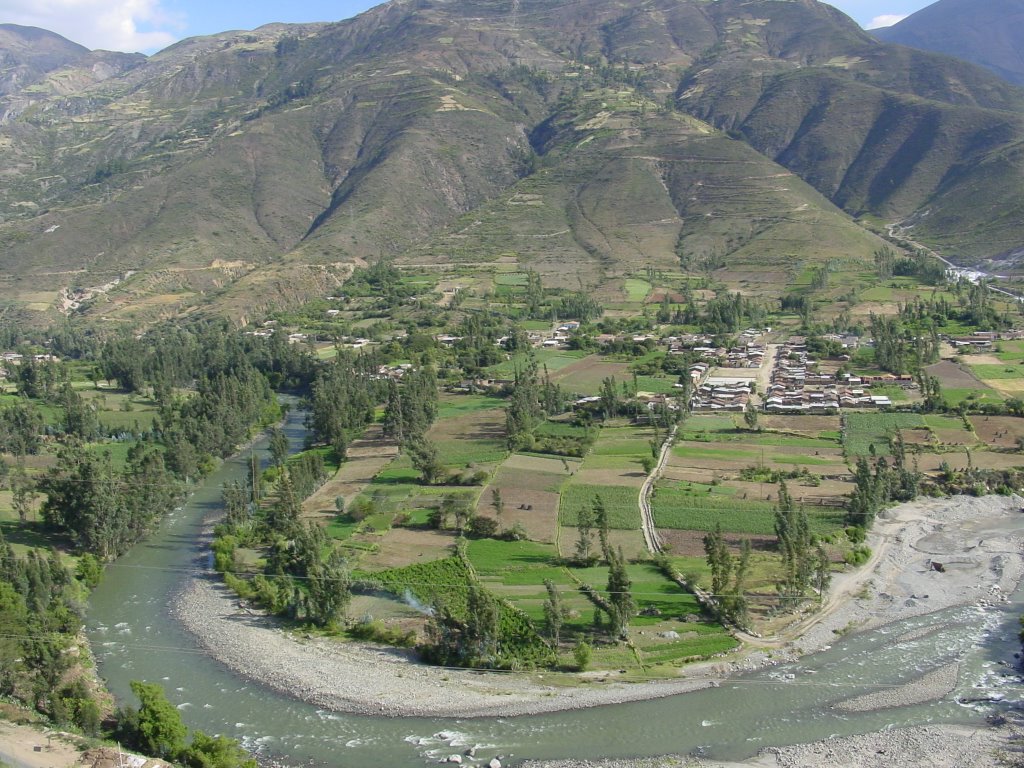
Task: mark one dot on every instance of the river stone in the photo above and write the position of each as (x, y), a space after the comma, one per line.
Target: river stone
(455, 759)
(495, 763)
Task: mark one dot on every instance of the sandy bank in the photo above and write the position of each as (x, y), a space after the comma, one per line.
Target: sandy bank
(974, 541)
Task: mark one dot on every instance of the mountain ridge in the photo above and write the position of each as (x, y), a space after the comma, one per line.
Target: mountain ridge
(989, 33)
(242, 158)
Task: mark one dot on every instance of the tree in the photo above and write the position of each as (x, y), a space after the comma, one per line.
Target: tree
(822, 570)
(160, 731)
(750, 416)
(719, 561)
(235, 497)
(482, 527)
(554, 612)
(585, 536)
(278, 446)
(23, 493)
(609, 398)
(329, 591)
(600, 518)
(620, 597)
(423, 455)
(794, 534)
(497, 504)
(482, 624)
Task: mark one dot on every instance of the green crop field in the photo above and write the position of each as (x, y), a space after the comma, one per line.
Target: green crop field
(677, 507)
(621, 502)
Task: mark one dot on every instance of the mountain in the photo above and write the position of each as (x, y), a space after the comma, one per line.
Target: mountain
(28, 55)
(586, 140)
(986, 32)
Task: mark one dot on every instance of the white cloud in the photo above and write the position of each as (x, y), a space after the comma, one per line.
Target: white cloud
(116, 25)
(886, 20)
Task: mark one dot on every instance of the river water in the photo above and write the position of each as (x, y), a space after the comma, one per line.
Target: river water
(135, 638)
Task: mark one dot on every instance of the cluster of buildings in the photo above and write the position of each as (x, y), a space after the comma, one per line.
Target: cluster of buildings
(798, 387)
(718, 395)
(393, 372)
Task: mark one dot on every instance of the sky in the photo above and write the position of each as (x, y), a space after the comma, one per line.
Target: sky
(149, 25)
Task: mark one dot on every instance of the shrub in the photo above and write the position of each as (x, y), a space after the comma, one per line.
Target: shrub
(482, 527)
(581, 655)
(377, 632)
(858, 556)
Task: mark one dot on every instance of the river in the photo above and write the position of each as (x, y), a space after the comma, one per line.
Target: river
(134, 637)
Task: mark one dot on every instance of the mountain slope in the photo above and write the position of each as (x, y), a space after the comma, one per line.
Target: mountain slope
(986, 32)
(583, 139)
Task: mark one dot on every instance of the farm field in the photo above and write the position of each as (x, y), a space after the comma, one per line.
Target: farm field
(528, 487)
(685, 506)
(584, 376)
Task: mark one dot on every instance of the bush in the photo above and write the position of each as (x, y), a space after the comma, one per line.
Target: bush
(224, 553)
(855, 534)
(858, 556)
(89, 570)
(581, 655)
(377, 632)
(516, 533)
(482, 527)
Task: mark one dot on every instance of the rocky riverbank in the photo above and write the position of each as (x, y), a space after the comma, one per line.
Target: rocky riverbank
(385, 681)
(933, 746)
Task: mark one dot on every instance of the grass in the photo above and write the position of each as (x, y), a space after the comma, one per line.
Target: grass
(954, 396)
(342, 528)
(894, 392)
(491, 557)
(637, 290)
(997, 372)
(621, 502)
(659, 385)
(554, 359)
(695, 426)
(1010, 351)
(720, 454)
(460, 405)
(864, 430)
(118, 452)
(462, 453)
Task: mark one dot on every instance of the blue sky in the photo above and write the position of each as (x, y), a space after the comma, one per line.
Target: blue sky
(148, 25)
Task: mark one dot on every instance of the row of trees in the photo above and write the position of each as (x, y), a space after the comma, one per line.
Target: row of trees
(619, 605)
